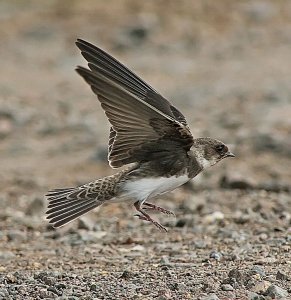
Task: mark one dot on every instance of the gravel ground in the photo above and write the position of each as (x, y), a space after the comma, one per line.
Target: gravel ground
(225, 65)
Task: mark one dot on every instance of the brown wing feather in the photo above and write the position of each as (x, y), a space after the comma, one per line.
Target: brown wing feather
(140, 117)
(131, 118)
(112, 69)
(109, 67)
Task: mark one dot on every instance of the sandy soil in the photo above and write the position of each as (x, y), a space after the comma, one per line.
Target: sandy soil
(225, 64)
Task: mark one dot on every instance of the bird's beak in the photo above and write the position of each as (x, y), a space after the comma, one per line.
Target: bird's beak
(229, 154)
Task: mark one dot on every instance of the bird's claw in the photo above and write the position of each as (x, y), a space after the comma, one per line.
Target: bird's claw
(148, 219)
(158, 208)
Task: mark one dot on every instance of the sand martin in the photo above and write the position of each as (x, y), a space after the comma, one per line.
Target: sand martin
(149, 138)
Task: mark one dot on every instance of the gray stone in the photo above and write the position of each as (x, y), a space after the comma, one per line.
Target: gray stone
(216, 216)
(236, 276)
(11, 278)
(231, 181)
(182, 287)
(4, 293)
(276, 292)
(255, 296)
(281, 276)
(215, 255)
(36, 207)
(200, 244)
(91, 236)
(261, 287)
(165, 295)
(6, 254)
(94, 287)
(181, 222)
(85, 223)
(276, 242)
(227, 287)
(126, 275)
(257, 270)
(210, 297)
(49, 280)
(16, 235)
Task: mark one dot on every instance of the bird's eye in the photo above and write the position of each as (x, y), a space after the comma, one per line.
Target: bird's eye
(220, 148)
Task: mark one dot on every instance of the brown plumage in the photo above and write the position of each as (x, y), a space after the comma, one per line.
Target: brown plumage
(146, 131)
(68, 204)
(152, 119)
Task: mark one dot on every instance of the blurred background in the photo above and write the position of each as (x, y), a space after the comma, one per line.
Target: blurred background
(225, 64)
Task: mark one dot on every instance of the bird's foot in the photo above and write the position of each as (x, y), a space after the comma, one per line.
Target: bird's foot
(146, 217)
(149, 219)
(158, 208)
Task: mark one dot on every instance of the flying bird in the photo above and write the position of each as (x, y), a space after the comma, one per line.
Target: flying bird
(148, 136)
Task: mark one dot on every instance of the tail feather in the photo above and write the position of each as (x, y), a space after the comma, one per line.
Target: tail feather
(70, 207)
(61, 204)
(56, 193)
(62, 216)
(67, 204)
(58, 222)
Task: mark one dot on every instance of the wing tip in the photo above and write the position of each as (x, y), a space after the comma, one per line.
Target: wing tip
(83, 72)
(80, 42)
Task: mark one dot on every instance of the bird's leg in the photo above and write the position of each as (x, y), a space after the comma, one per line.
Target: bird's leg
(146, 217)
(158, 208)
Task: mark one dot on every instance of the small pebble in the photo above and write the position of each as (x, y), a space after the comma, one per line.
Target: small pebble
(276, 292)
(215, 255)
(11, 278)
(255, 296)
(126, 275)
(165, 260)
(214, 217)
(227, 287)
(36, 207)
(235, 273)
(281, 276)
(257, 270)
(6, 255)
(85, 223)
(138, 248)
(16, 235)
(4, 293)
(49, 280)
(165, 295)
(210, 297)
(93, 287)
(181, 222)
(261, 287)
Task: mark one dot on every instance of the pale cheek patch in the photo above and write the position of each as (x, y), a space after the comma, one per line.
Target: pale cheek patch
(204, 163)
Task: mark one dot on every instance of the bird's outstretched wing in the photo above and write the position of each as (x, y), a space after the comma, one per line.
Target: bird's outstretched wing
(142, 120)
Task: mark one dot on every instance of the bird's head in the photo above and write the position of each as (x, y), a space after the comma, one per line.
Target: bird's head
(208, 151)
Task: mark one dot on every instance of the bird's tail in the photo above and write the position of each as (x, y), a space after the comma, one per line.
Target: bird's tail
(67, 204)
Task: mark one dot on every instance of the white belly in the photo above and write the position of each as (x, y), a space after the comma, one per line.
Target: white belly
(142, 189)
